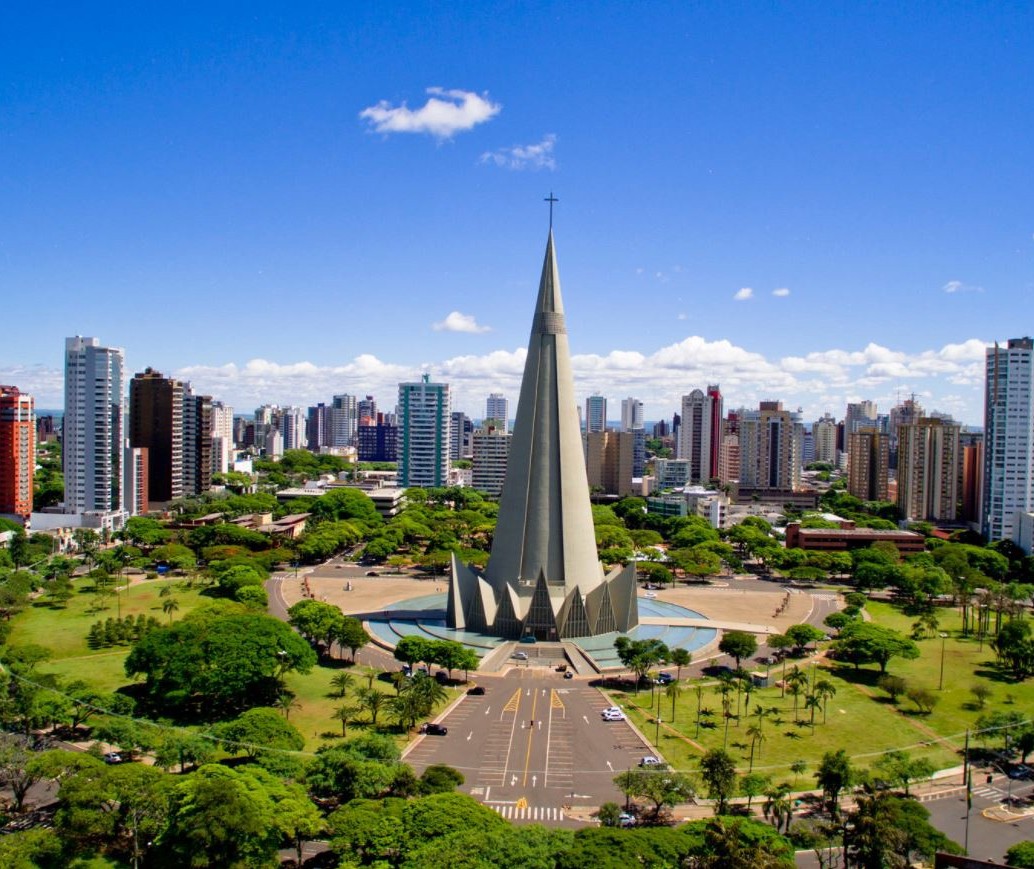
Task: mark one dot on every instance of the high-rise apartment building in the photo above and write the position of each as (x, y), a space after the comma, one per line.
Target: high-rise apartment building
(491, 445)
(497, 407)
(156, 425)
(1008, 438)
(868, 453)
(595, 413)
(17, 452)
(729, 448)
(610, 457)
(972, 445)
(175, 427)
(92, 432)
(424, 416)
(461, 429)
(824, 432)
(631, 414)
(344, 421)
(929, 470)
(770, 448)
(222, 437)
(378, 441)
(292, 427)
(317, 427)
(861, 414)
(366, 408)
(700, 433)
(197, 442)
(134, 480)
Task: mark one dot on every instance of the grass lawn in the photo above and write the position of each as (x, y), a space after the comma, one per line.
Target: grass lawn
(860, 717)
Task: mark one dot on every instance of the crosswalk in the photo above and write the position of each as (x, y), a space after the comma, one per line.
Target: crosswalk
(989, 792)
(513, 812)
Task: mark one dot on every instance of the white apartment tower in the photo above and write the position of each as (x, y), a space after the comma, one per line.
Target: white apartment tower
(497, 407)
(292, 427)
(1008, 438)
(222, 437)
(824, 432)
(93, 431)
(344, 421)
(631, 414)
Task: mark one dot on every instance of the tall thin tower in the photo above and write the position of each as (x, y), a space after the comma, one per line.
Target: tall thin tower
(544, 577)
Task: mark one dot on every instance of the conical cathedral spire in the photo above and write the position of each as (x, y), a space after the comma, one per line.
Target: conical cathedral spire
(544, 567)
(545, 519)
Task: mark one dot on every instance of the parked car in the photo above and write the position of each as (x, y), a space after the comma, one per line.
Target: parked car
(650, 595)
(626, 820)
(1019, 772)
(476, 691)
(372, 573)
(441, 677)
(613, 716)
(665, 679)
(434, 729)
(561, 668)
(650, 760)
(113, 757)
(568, 674)
(520, 656)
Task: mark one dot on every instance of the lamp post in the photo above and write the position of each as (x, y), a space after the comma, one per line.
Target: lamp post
(657, 732)
(940, 684)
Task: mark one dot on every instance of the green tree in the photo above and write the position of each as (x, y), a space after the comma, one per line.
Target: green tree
(718, 772)
(440, 778)
(661, 788)
(640, 656)
(889, 831)
(834, 774)
(866, 643)
(1021, 855)
(227, 816)
(803, 635)
(900, 769)
(738, 644)
(258, 730)
(680, 658)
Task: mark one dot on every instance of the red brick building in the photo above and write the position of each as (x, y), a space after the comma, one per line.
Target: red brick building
(17, 451)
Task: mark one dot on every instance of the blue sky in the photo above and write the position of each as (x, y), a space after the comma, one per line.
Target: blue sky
(809, 202)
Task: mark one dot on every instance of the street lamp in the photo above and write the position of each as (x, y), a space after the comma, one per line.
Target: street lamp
(657, 733)
(940, 685)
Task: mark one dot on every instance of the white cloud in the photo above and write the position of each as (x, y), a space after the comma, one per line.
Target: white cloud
(538, 156)
(445, 113)
(781, 292)
(960, 287)
(744, 294)
(681, 316)
(950, 377)
(457, 322)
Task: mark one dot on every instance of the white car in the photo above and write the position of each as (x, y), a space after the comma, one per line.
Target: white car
(650, 595)
(520, 656)
(650, 760)
(611, 709)
(613, 716)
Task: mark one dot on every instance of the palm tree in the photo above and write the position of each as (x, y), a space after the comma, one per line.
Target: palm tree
(370, 674)
(798, 768)
(825, 689)
(699, 691)
(812, 702)
(342, 683)
(757, 736)
(673, 692)
(170, 606)
(680, 658)
(429, 692)
(285, 703)
(796, 682)
(406, 708)
(345, 714)
(779, 807)
(372, 700)
(398, 679)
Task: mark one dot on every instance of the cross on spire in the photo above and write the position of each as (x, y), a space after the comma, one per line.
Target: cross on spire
(551, 199)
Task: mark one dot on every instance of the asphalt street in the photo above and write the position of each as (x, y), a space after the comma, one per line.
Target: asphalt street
(533, 746)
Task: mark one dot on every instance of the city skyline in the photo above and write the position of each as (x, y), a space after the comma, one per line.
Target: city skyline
(815, 207)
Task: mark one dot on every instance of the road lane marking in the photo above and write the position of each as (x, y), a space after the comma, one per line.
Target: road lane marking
(470, 736)
(514, 702)
(531, 736)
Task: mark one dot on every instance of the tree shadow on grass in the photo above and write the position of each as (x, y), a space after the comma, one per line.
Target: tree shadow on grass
(996, 674)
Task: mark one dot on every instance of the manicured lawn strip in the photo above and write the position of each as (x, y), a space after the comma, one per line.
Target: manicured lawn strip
(855, 721)
(965, 665)
(63, 630)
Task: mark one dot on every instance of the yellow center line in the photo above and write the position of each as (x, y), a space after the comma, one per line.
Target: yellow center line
(531, 733)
